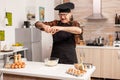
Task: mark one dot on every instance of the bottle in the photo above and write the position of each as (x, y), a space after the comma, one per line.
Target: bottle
(116, 19)
(117, 38)
(119, 20)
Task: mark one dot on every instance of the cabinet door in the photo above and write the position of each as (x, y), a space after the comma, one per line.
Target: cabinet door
(78, 54)
(96, 61)
(85, 53)
(106, 63)
(116, 64)
(36, 51)
(91, 55)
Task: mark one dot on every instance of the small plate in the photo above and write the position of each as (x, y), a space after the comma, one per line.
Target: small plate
(6, 50)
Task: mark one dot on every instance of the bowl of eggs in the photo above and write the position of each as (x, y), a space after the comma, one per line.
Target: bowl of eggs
(52, 61)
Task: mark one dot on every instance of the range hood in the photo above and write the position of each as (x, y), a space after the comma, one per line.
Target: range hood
(97, 12)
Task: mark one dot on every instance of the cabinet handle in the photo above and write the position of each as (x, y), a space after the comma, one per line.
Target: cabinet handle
(84, 54)
(118, 54)
(119, 57)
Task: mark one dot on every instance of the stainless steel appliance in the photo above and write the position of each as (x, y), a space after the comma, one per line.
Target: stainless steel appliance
(31, 38)
(116, 43)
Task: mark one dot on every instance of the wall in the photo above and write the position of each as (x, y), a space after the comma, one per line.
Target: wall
(46, 39)
(19, 11)
(49, 9)
(57, 2)
(49, 16)
(17, 8)
(93, 29)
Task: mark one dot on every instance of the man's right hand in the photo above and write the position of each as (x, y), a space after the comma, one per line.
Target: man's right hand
(47, 28)
(50, 30)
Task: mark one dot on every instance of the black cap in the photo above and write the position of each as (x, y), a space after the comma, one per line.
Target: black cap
(65, 7)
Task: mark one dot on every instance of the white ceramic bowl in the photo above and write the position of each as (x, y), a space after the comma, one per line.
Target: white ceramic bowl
(51, 61)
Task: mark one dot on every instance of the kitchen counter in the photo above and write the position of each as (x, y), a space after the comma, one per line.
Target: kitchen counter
(101, 57)
(14, 51)
(99, 47)
(38, 69)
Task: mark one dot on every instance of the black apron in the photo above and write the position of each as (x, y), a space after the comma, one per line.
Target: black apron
(64, 46)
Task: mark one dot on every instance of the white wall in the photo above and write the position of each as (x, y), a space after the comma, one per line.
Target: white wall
(49, 16)
(2, 12)
(49, 9)
(18, 9)
(46, 39)
(47, 4)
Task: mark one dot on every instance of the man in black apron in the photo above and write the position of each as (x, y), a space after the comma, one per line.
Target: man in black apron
(64, 32)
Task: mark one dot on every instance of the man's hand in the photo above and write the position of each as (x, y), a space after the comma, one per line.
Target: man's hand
(52, 30)
(55, 29)
(47, 28)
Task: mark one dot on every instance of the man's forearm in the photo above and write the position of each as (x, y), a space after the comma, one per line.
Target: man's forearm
(54, 29)
(43, 27)
(74, 30)
(40, 25)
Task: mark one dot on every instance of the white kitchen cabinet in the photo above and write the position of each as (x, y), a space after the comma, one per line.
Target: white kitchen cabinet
(107, 63)
(85, 53)
(36, 50)
(96, 61)
(110, 63)
(116, 64)
(105, 59)
(90, 56)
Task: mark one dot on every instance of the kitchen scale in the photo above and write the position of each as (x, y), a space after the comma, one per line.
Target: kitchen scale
(116, 43)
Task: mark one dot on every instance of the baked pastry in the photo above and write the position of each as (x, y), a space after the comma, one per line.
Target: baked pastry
(79, 66)
(75, 72)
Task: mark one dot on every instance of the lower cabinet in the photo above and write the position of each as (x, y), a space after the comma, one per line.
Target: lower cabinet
(90, 56)
(107, 61)
(116, 64)
(20, 77)
(96, 61)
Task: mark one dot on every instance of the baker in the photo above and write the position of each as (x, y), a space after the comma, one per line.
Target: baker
(65, 33)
